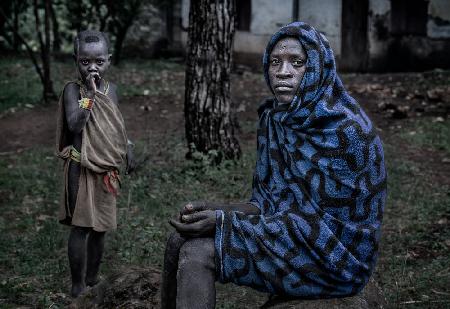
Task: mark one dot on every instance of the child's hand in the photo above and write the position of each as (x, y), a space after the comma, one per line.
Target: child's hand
(131, 162)
(92, 80)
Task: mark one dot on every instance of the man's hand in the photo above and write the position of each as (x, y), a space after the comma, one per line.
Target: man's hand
(195, 224)
(192, 207)
(247, 208)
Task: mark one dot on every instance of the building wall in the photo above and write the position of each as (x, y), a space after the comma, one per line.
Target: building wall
(409, 52)
(387, 51)
(324, 20)
(438, 25)
(266, 19)
(379, 27)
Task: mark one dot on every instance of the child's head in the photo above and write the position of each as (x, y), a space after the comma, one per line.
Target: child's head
(91, 54)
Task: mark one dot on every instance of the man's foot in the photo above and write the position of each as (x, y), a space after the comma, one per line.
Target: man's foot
(77, 289)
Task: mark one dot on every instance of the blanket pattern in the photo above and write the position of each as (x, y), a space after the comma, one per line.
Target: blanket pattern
(320, 184)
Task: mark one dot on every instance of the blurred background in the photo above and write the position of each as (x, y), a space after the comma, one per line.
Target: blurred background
(392, 55)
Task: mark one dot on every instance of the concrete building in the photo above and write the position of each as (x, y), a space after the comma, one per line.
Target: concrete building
(366, 35)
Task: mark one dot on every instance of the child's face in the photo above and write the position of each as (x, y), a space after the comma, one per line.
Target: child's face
(286, 69)
(93, 58)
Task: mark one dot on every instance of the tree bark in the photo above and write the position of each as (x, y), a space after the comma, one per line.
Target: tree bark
(208, 122)
(55, 25)
(16, 40)
(27, 47)
(123, 14)
(44, 43)
(120, 38)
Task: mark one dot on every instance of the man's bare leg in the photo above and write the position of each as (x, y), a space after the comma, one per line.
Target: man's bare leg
(169, 274)
(196, 274)
(95, 245)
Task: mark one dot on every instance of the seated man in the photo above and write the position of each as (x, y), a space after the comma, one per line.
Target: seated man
(312, 226)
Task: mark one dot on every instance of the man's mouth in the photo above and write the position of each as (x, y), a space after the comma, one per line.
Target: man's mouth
(282, 87)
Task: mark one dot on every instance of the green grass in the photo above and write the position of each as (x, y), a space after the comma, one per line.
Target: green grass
(414, 259)
(413, 263)
(413, 267)
(430, 133)
(34, 261)
(414, 249)
(22, 87)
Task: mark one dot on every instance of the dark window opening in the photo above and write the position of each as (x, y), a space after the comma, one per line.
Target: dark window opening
(243, 14)
(409, 17)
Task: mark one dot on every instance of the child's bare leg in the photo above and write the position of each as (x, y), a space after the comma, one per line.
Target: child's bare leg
(77, 258)
(95, 245)
(78, 236)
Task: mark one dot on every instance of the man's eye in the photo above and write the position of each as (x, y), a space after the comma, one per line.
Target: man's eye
(100, 62)
(298, 63)
(274, 61)
(84, 62)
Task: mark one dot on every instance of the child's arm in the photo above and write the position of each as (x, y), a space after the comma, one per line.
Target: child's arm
(77, 116)
(131, 163)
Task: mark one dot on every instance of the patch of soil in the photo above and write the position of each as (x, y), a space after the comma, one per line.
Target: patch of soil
(133, 287)
(393, 101)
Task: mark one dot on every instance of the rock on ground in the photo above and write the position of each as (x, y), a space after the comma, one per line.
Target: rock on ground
(370, 298)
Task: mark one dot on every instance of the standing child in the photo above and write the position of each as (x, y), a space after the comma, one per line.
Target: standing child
(91, 138)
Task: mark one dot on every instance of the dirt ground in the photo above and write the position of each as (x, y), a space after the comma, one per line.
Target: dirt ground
(393, 101)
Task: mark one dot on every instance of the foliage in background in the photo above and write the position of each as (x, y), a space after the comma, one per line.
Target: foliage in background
(20, 89)
(41, 27)
(42, 13)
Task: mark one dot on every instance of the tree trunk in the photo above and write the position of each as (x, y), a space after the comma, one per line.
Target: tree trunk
(120, 38)
(55, 25)
(208, 123)
(49, 93)
(16, 41)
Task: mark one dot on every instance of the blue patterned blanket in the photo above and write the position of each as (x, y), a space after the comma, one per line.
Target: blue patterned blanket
(320, 184)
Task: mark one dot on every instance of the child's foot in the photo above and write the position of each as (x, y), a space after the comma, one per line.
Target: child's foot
(92, 282)
(77, 289)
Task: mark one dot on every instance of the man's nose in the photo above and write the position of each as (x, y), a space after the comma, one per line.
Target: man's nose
(284, 70)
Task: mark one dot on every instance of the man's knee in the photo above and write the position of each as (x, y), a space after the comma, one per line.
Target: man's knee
(175, 241)
(197, 252)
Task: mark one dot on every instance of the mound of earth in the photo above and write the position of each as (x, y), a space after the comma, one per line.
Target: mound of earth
(133, 287)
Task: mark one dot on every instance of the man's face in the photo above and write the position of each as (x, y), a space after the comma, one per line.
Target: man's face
(93, 58)
(286, 68)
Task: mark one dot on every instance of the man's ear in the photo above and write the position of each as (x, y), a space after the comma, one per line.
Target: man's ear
(109, 58)
(74, 58)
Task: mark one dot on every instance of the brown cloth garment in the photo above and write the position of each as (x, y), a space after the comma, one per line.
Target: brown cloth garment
(103, 150)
